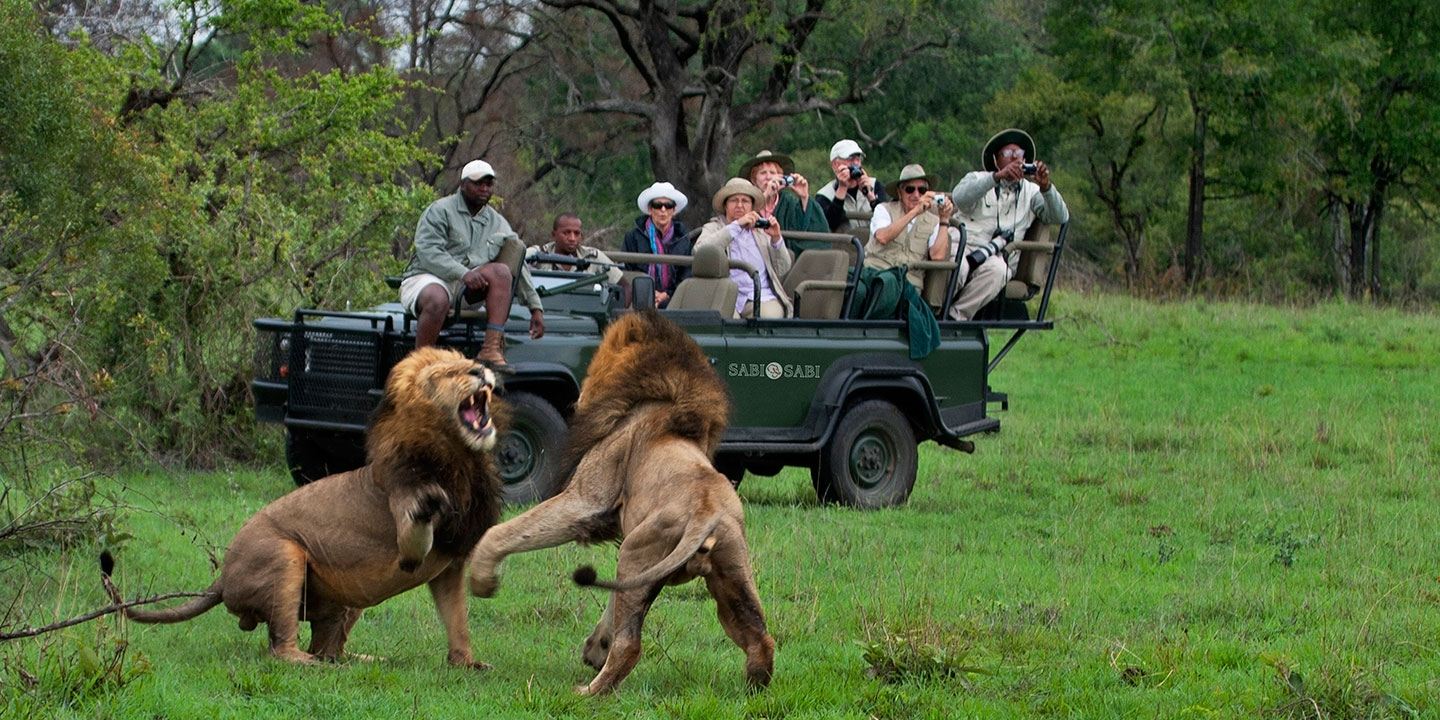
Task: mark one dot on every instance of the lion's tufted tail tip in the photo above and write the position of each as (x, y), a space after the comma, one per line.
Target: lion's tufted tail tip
(584, 576)
(107, 563)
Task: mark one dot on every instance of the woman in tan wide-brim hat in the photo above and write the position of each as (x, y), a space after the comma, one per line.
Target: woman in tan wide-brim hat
(734, 230)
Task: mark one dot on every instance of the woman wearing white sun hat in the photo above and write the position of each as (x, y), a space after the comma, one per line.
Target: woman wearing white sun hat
(659, 233)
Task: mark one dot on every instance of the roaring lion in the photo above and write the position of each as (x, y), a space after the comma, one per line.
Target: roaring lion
(329, 549)
(650, 415)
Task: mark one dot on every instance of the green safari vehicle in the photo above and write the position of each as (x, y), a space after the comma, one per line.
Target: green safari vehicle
(839, 396)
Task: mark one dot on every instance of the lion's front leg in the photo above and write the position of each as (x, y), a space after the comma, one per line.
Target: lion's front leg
(448, 590)
(556, 521)
(414, 514)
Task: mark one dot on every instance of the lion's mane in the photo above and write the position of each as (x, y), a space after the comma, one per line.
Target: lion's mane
(407, 445)
(644, 358)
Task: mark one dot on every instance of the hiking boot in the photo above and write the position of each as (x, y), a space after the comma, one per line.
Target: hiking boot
(492, 351)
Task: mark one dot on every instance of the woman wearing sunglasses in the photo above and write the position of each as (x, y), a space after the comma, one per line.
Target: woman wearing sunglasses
(659, 233)
(908, 228)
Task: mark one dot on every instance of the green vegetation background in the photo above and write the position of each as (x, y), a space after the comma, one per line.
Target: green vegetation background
(1197, 509)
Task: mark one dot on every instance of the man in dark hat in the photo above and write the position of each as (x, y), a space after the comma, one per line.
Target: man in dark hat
(792, 210)
(997, 206)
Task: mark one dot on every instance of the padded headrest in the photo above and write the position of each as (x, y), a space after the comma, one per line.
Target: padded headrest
(710, 262)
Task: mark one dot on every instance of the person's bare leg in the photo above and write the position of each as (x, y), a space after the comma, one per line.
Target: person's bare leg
(431, 308)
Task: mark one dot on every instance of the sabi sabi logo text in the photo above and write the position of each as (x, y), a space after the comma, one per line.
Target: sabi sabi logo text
(773, 370)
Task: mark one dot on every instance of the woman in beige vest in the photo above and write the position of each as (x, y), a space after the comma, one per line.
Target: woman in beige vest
(908, 228)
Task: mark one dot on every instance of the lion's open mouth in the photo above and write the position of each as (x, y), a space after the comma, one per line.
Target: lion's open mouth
(475, 413)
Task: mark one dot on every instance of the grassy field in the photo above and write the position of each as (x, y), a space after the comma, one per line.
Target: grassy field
(1193, 510)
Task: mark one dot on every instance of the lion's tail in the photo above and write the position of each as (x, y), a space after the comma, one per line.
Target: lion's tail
(180, 613)
(696, 540)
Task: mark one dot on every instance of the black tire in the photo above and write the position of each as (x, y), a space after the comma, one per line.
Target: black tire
(871, 459)
(732, 469)
(314, 454)
(529, 455)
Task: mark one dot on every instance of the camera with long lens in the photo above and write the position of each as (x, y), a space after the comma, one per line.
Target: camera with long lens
(856, 171)
(762, 223)
(995, 244)
(787, 180)
(1029, 168)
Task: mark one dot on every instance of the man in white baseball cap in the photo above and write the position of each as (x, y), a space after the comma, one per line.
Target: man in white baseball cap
(852, 190)
(457, 242)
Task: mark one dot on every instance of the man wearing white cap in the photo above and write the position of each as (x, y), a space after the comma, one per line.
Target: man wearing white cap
(852, 190)
(456, 243)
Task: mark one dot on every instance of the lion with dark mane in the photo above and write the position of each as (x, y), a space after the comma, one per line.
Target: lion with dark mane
(326, 551)
(650, 415)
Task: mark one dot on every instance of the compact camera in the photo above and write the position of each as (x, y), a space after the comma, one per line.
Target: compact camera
(856, 171)
(787, 180)
(1029, 168)
(940, 201)
(762, 223)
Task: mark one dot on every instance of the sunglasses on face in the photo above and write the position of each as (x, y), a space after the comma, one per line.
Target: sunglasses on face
(916, 189)
(1013, 153)
(661, 205)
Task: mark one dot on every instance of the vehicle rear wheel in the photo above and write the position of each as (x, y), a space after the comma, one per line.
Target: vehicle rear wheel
(528, 456)
(871, 459)
(314, 454)
(732, 469)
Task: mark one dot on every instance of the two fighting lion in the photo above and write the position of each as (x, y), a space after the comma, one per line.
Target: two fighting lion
(327, 550)
(650, 415)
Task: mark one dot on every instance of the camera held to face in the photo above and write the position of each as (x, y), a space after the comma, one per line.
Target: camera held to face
(762, 223)
(1029, 168)
(855, 171)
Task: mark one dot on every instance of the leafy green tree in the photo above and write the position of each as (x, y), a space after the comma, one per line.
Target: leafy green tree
(1376, 108)
(697, 75)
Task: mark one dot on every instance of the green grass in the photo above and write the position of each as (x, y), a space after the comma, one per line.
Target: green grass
(1193, 510)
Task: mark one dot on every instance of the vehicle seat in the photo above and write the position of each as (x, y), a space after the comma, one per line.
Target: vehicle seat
(938, 285)
(709, 286)
(1034, 264)
(816, 282)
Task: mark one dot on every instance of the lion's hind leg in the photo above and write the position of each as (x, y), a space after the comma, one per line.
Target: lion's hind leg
(629, 610)
(737, 603)
(329, 629)
(285, 570)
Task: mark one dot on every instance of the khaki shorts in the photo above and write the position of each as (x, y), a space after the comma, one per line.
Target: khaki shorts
(410, 291)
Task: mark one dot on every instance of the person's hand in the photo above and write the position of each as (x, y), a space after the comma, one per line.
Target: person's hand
(773, 231)
(1042, 176)
(537, 324)
(1014, 172)
(661, 297)
(474, 280)
(927, 202)
(801, 186)
(943, 210)
(748, 219)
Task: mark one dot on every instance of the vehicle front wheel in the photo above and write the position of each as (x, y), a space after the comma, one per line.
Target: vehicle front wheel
(528, 456)
(314, 454)
(871, 459)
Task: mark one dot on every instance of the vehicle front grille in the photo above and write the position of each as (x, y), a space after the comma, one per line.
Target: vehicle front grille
(334, 372)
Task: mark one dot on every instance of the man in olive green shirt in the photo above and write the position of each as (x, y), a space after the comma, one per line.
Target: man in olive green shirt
(456, 242)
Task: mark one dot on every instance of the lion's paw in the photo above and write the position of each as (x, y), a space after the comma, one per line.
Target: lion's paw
(484, 586)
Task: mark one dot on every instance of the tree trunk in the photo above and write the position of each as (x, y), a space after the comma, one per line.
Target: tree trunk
(1377, 209)
(1195, 216)
(1338, 244)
